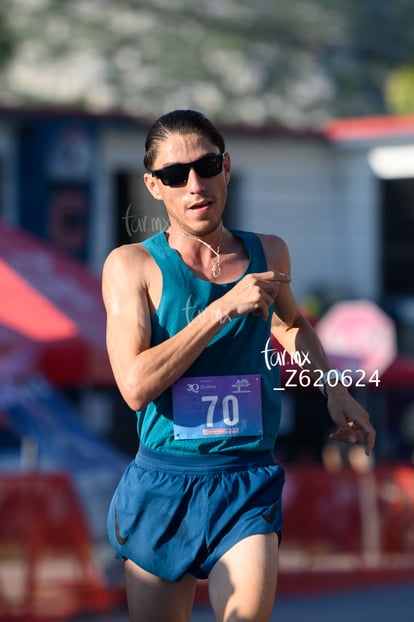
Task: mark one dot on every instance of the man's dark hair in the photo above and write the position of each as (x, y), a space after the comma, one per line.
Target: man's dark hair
(179, 122)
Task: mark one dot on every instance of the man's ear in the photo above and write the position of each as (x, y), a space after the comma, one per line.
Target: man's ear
(227, 166)
(152, 184)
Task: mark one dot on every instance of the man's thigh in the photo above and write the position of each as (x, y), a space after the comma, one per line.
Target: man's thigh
(151, 599)
(242, 584)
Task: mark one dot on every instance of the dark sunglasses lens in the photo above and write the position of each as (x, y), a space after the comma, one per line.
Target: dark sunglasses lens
(209, 166)
(174, 175)
(177, 174)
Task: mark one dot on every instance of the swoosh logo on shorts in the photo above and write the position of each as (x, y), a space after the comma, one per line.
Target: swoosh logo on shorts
(269, 516)
(121, 539)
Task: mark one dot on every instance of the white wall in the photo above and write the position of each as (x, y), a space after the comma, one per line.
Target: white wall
(118, 150)
(291, 193)
(357, 228)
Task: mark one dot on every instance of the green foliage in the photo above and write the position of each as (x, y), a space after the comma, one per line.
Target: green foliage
(296, 62)
(6, 38)
(400, 90)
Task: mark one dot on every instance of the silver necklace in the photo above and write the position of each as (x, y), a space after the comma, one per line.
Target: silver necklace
(216, 267)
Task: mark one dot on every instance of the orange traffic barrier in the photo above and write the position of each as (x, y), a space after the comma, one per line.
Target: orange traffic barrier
(346, 529)
(342, 530)
(47, 565)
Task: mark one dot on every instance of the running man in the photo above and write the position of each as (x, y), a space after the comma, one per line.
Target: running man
(189, 312)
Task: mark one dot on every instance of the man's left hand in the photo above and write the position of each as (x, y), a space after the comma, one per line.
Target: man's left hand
(351, 418)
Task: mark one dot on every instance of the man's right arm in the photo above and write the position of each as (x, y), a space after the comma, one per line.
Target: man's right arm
(142, 372)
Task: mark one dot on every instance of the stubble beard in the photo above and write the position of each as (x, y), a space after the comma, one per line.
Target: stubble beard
(203, 229)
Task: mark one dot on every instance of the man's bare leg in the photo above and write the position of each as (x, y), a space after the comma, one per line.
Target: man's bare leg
(151, 599)
(242, 584)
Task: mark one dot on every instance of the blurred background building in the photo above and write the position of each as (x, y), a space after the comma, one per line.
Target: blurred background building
(340, 195)
(316, 102)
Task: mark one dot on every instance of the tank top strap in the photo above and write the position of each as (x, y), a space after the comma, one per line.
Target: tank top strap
(166, 257)
(253, 245)
(158, 246)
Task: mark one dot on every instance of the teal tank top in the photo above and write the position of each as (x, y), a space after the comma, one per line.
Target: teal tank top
(237, 349)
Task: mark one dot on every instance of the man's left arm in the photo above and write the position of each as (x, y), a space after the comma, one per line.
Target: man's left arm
(295, 334)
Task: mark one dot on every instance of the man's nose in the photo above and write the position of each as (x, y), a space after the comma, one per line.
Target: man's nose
(194, 181)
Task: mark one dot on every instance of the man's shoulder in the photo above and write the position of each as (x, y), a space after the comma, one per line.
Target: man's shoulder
(126, 257)
(126, 251)
(270, 240)
(276, 252)
(266, 238)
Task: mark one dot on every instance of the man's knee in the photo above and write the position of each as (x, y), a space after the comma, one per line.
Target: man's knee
(242, 584)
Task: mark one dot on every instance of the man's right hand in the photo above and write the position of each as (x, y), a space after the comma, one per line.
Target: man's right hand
(255, 293)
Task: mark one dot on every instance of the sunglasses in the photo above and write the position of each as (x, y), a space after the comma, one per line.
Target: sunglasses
(177, 174)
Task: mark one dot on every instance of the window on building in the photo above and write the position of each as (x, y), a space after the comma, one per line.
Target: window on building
(138, 214)
(397, 236)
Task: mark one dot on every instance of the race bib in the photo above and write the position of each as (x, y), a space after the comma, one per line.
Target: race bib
(217, 406)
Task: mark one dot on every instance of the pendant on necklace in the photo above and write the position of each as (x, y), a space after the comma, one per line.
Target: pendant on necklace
(216, 269)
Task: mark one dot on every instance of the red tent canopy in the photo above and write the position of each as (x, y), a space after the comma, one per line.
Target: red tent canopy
(52, 318)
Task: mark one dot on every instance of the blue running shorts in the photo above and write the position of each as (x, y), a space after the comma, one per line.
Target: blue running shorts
(174, 514)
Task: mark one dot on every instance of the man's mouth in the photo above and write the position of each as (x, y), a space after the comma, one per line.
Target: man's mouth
(200, 205)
